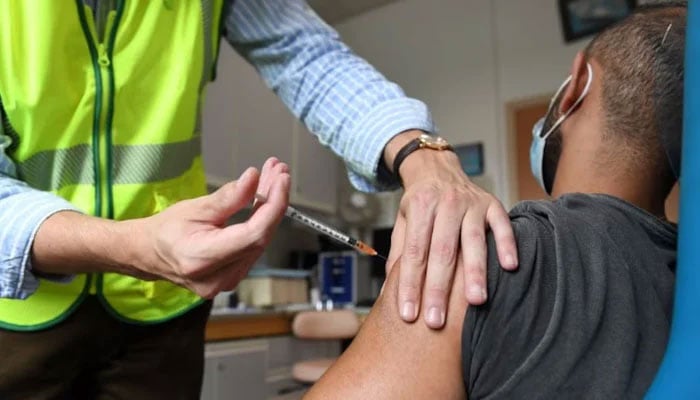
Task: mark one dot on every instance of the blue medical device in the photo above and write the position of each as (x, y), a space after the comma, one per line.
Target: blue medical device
(338, 276)
(679, 375)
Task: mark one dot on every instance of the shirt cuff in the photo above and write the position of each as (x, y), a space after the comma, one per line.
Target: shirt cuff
(17, 280)
(374, 131)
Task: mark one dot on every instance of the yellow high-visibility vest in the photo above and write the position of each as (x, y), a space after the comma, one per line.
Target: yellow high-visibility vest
(111, 124)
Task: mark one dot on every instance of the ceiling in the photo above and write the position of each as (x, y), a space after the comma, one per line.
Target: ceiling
(335, 11)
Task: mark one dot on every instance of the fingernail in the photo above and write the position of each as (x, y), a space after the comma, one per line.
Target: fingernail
(408, 312)
(435, 317)
(510, 261)
(477, 291)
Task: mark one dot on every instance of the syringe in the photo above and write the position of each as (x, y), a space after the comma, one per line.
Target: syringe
(333, 233)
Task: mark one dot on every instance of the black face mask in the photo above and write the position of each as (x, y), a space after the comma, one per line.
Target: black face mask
(552, 149)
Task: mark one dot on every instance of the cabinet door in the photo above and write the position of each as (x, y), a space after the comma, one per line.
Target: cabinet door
(315, 173)
(209, 381)
(312, 349)
(244, 121)
(236, 370)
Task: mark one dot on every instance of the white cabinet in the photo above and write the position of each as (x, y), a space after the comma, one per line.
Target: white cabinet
(259, 368)
(244, 123)
(235, 370)
(314, 172)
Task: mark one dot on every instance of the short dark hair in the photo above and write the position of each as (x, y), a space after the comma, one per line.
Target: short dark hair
(642, 58)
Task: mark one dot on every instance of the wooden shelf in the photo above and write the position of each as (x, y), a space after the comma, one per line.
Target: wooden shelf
(248, 326)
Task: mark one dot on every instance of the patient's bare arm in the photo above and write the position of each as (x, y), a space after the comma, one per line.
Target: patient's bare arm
(390, 359)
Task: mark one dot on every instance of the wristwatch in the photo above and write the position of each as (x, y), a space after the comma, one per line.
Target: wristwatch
(424, 141)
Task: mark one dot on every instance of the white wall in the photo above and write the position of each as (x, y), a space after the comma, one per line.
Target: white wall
(466, 59)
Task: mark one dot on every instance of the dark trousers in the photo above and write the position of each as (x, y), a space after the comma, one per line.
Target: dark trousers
(92, 355)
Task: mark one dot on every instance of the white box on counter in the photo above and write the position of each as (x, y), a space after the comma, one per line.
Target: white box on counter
(272, 287)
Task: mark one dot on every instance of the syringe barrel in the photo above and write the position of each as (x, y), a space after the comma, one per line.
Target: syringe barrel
(319, 226)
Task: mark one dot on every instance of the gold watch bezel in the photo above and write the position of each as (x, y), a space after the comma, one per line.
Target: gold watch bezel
(433, 142)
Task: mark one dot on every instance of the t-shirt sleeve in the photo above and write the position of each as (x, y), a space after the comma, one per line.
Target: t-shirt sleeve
(499, 336)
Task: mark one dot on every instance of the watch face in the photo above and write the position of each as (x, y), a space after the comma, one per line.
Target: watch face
(434, 142)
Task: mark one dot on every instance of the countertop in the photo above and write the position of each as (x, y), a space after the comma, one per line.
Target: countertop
(235, 324)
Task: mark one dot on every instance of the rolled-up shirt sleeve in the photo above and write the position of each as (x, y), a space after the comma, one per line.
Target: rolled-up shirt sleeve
(22, 211)
(342, 99)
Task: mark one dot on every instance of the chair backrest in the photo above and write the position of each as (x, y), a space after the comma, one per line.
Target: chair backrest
(677, 377)
(336, 324)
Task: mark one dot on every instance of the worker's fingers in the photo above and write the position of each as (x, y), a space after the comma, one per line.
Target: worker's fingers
(474, 255)
(442, 261)
(220, 248)
(219, 206)
(265, 181)
(225, 278)
(272, 169)
(255, 233)
(420, 214)
(498, 220)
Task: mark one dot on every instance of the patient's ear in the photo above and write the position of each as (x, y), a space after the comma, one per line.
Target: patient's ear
(579, 77)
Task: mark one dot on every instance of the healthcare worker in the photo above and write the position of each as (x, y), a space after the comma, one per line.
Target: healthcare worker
(102, 183)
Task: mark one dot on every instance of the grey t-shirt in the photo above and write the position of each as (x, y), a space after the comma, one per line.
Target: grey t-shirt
(587, 314)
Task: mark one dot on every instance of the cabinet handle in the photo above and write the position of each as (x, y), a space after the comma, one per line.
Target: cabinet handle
(220, 367)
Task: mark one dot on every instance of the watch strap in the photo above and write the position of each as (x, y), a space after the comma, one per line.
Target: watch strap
(407, 149)
(424, 141)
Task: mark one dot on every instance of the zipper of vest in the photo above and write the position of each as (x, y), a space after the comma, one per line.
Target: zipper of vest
(101, 55)
(106, 51)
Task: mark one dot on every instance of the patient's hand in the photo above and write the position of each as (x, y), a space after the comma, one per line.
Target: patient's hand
(390, 359)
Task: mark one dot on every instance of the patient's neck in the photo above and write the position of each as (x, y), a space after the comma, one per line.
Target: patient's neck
(582, 170)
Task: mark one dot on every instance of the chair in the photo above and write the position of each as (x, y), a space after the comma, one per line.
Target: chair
(321, 325)
(677, 377)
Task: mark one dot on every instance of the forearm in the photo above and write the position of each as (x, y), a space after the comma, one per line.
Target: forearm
(43, 235)
(338, 95)
(69, 242)
(22, 211)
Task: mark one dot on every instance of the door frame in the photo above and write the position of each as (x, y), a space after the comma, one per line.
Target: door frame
(511, 108)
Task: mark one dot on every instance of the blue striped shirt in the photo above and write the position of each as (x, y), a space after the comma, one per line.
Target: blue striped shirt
(350, 106)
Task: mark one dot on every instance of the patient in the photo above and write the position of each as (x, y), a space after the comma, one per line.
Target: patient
(587, 314)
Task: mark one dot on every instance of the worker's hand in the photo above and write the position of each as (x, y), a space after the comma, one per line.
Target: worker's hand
(191, 245)
(440, 211)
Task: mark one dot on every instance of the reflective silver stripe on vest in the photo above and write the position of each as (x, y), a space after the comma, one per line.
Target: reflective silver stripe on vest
(154, 162)
(52, 170)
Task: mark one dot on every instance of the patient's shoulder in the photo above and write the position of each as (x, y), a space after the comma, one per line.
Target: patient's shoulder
(535, 338)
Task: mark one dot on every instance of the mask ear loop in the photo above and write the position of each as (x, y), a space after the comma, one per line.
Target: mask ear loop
(573, 107)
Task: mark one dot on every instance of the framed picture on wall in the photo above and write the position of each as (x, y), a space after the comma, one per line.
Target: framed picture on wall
(581, 18)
